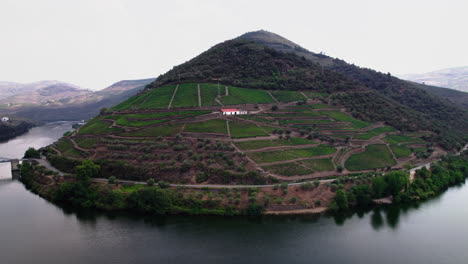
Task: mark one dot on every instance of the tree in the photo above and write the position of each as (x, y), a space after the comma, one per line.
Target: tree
(32, 153)
(111, 180)
(379, 187)
(150, 182)
(103, 111)
(151, 200)
(86, 171)
(341, 200)
(396, 181)
(274, 108)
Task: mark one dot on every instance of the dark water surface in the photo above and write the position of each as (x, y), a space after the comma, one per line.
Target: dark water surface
(33, 230)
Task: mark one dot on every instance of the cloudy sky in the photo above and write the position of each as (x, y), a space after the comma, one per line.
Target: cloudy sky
(94, 43)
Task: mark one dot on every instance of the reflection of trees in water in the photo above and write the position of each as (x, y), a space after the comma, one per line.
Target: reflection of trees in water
(391, 213)
(376, 219)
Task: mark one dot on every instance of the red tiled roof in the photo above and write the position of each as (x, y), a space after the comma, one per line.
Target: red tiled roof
(229, 110)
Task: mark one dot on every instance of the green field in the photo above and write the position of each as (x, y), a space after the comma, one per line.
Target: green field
(320, 106)
(257, 118)
(243, 130)
(258, 144)
(66, 147)
(314, 95)
(139, 120)
(209, 92)
(210, 126)
(138, 123)
(164, 131)
(271, 156)
(375, 156)
(396, 139)
(342, 117)
(400, 151)
(246, 96)
(305, 121)
(319, 164)
(156, 98)
(375, 132)
(290, 154)
(314, 151)
(288, 169)
(86, 142)
(287, 96)
(186, 96)
(97, 126)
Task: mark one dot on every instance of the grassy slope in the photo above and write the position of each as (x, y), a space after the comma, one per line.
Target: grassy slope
(243, 130)
(375, 156)
(288, 96)
(210, 126)
(186, 96)
(244, 96)
(257, 144)
(209, 92)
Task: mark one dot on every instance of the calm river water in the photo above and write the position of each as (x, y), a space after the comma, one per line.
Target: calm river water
(33, 230)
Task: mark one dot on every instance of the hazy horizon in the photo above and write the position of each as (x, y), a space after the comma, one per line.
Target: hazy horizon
(93, 44)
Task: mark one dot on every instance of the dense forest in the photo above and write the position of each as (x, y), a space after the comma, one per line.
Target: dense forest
(243, 63)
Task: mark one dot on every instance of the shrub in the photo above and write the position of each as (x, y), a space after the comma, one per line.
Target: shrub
(164, 184)
(111, 180)
(32, 153)
(151, 200)
(150, 182)
(293, 199)
(255, 210)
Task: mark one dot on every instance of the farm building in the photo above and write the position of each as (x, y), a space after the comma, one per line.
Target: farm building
(233, 112)
(5, 119)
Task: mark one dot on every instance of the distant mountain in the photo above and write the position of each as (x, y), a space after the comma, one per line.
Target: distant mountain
(46, 95)
(454, 78)
(8, 89)
(53, 100)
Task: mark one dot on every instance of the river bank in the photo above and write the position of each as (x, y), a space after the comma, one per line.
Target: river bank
(14, 128)
(338, 195)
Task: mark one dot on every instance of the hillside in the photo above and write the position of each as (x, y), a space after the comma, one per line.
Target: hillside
(8, 89)
(265, 60)
(454, 78)
(14, 127)
(60, 101)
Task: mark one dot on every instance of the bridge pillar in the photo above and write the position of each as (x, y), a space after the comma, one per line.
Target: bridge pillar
(14, 164)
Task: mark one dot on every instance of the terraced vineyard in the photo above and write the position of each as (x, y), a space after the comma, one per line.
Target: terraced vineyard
(176, 133)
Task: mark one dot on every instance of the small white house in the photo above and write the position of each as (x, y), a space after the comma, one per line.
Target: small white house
(5, 119)
(233, 112)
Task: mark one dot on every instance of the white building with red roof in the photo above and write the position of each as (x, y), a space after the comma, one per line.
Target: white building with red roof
(233, 111)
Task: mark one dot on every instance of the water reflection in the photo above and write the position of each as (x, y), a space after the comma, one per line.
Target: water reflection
(5, 171)
(391, 213)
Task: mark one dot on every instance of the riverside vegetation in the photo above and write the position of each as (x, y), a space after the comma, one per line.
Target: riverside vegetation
(356, 191)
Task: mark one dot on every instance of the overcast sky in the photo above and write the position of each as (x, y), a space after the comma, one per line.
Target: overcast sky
(94, 43)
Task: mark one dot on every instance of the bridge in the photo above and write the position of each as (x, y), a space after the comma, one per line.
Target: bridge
(14, 162)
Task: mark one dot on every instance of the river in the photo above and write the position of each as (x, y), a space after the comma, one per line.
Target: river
(33, 230)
